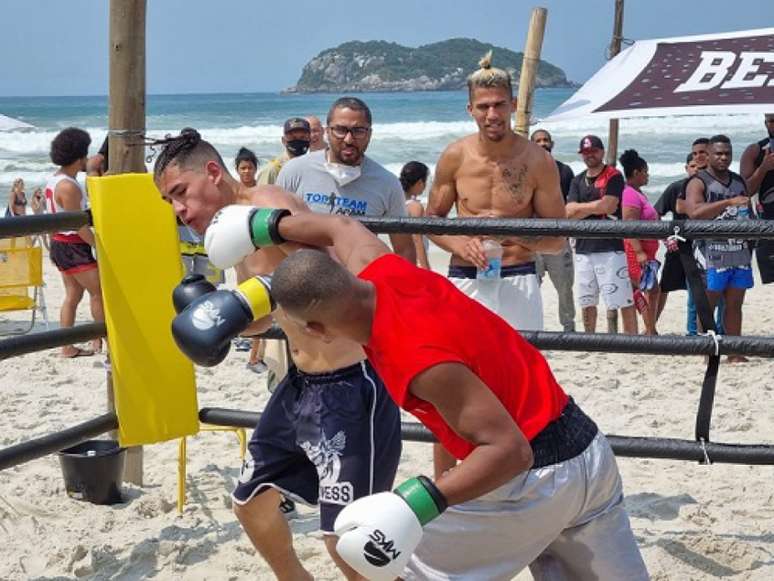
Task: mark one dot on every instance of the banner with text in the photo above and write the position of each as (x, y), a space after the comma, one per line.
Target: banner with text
(691, 75)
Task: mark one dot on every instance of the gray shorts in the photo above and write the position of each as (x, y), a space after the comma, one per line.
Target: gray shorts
(564, 521)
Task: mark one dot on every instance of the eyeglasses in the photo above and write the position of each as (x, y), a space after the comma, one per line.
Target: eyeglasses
(340, 132)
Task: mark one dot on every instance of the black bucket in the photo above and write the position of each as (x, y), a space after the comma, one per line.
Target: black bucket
(94, 471)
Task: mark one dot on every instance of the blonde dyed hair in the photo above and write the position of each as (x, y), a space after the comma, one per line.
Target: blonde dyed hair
(489, 77)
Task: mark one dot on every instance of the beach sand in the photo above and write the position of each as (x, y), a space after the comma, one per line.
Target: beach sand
(691, 521)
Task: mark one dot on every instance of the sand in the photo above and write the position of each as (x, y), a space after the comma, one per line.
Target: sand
(691, 521)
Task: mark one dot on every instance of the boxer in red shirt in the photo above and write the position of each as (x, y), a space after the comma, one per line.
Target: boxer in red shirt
(537, 485)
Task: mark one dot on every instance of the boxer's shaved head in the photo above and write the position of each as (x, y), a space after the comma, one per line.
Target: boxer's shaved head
(309, 284)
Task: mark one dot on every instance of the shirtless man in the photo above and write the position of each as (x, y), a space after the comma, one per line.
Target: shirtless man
(496, 173)
(330, 433)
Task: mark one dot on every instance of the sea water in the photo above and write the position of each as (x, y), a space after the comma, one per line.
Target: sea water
(406, 126)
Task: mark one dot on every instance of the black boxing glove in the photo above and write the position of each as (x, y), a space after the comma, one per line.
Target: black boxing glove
(204, 329)
(190, 288)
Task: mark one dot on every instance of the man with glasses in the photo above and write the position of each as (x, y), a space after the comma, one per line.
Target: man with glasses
(342, 179)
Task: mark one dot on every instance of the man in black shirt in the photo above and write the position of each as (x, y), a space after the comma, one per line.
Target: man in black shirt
(757, 168)
(559, 267)
(672, 274)
(600, 264)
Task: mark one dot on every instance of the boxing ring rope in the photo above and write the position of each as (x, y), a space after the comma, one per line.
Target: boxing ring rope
(24, 344)
(701, 450)
(693, 229)
(625, 446)
(648, 345)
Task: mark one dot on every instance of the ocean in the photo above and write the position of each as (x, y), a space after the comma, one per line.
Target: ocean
(407, 126)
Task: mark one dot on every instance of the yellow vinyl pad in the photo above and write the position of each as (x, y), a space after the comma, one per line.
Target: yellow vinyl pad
(138, 253)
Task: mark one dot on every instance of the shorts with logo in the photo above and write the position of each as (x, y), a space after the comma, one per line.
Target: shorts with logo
(563, 519)
(720, 279)
(72, 257)
(604, 273)
(326, 439)
(515, 296)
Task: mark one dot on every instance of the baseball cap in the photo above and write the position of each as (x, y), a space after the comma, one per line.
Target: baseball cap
(296, 123)
(590, 142)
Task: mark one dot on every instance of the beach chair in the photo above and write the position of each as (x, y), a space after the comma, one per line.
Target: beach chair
(21, 268)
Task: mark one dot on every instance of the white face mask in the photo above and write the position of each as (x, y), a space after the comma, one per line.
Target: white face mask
(343, 174)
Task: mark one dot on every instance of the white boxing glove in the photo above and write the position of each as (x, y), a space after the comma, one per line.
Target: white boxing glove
(235, 232)
(378, 533)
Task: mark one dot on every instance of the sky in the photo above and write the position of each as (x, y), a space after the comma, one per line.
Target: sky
(54, 47)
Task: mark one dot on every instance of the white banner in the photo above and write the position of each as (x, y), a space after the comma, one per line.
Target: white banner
(691, 75)
(8, 123)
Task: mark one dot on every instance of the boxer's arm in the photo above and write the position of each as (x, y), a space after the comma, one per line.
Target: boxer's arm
(443, 196)
(547, 202)
(474, 412)
(354, 245)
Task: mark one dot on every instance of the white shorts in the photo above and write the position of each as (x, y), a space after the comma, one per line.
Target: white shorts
(516, 299)
(564, 521)
(603, 273)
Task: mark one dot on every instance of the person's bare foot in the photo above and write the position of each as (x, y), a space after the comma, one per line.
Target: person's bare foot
(72, 352)
(737, 359)
(96, 345)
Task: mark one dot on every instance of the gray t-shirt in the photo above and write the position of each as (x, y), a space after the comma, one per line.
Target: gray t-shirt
(377, 192)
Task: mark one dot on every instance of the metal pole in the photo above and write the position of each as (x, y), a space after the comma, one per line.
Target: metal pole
(529, 67)
(127, 127)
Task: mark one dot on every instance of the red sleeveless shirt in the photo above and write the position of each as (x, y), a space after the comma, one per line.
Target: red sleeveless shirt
(422, 319)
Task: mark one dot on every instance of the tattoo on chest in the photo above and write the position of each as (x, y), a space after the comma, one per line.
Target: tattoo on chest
(514, 179)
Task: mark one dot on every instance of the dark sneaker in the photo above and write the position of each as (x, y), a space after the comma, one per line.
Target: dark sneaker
(288, 508)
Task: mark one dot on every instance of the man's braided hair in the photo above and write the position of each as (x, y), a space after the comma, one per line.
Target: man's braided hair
(184, 150)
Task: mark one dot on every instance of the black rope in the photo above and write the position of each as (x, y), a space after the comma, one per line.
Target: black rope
(50, 443)
(23, 344)
(625, 446)
(655, 229)
(42, 223)
(642, 344)
(698, 291)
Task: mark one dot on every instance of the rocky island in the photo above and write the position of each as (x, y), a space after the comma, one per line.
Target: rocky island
(387, 66)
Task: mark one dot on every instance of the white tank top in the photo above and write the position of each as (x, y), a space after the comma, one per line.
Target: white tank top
(53, 207)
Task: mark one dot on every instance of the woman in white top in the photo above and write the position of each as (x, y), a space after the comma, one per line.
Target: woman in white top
(413, 178)
(71, 250)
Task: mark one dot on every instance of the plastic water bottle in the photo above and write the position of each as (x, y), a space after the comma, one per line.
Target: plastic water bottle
(494, 261)
(743, 212)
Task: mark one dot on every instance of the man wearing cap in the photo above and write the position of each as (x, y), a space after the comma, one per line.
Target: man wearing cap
(600, 264)
(296, 136)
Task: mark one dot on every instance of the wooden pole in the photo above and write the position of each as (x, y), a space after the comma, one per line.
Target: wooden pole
(126, 128)
(612, 134)
(529, 67)
(615, 48)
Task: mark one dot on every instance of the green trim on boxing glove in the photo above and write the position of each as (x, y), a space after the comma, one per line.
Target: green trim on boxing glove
(264, 226)
(423, 497)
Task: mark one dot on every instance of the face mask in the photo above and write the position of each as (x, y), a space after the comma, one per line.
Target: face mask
(297, 147)
(343, 174)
